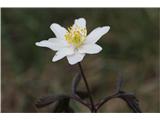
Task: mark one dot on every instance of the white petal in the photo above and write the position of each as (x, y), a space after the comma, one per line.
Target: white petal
(58, 42)
(58, 30)
(46, 43)
(75, 58)
(62, 53)
(96, 34)
(90, 49)
(52, 43)
(81, 22)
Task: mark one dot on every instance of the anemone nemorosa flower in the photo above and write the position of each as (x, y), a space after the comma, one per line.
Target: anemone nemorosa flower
(74, 42)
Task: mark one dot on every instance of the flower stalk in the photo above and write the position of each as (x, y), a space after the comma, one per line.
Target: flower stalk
(87, 87)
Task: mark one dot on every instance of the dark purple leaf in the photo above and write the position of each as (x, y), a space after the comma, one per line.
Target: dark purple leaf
(131, 100)
(120, 82)
(75, 83)
(69, 110)
(62, 106)
(44, 101)
(82, 94)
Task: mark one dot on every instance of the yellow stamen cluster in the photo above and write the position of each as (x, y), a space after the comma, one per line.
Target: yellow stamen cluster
(76, 35)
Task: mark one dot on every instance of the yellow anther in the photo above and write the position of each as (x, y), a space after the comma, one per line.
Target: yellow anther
(76, 36)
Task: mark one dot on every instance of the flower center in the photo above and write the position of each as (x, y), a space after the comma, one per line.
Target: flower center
(76, 35)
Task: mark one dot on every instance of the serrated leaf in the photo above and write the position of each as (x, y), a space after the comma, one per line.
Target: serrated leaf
(131, 100)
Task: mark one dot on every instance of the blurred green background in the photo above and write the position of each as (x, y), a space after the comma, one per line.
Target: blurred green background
(130, 47)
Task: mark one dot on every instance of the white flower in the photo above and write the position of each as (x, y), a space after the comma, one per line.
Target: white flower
(74, 43)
